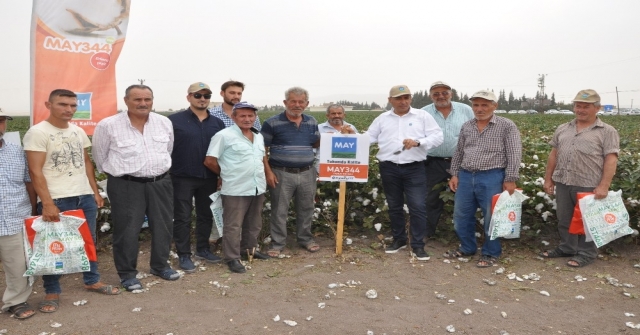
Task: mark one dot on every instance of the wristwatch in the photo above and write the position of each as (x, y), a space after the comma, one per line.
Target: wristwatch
(418, 143)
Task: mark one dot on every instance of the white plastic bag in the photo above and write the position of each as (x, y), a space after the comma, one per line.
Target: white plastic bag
(58, 247)
(507, 215)
(604, 219)
(216, 209)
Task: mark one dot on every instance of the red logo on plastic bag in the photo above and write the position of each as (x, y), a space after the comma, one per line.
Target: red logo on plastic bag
(56, 247)
(512, 216)
(610, 218)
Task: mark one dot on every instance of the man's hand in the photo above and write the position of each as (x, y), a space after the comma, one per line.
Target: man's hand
(410, 143)
(219, 186)
(549, 186)
(600, 192)
(347, 130)
(509, 186)
(50, 213)
(453, 184)
(272, 180)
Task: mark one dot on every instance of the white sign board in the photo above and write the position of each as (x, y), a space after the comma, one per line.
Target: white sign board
(344, 157)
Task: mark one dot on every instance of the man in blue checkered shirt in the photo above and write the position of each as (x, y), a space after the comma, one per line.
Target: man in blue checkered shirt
(17, 201)
(231, 93)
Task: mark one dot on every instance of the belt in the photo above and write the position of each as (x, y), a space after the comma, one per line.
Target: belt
(143, 179)
(403, 165)
(436, 158)
(291, 170)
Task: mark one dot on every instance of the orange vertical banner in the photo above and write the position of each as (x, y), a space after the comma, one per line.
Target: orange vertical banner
(74, 46)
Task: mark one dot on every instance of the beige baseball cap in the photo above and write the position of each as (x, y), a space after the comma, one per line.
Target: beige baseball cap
(2, 114)
(195, 87)
(399, 90)
(588, 95)
(439, 84)
(484, 94)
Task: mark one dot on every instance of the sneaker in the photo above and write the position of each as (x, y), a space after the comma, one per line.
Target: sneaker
(420, 254)
(208, 256)
(186, 264)
(166, 274)
(395, 246)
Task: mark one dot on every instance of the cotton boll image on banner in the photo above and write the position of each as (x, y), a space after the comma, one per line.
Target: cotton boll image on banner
(81, 17)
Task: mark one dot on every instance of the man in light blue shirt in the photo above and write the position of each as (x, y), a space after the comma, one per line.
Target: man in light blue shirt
(238, 155)
(450, 116)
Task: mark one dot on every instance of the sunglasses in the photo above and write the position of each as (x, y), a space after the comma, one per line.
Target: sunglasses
(198, 96)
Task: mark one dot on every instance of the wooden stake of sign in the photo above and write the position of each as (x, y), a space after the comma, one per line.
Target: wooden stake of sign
(339, 229)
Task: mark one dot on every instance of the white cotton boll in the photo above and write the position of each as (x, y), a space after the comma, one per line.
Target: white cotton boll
(348, 241)
(105, 227)
(539, 207)
(539, 182)
(377, 226)
(366, 202)
(337, 190)
(522, 165)
(546, 215)
(359, 199)
(267, 206)
(406, 209)
(378, 210)
(352, 215)
(326, 203)
(534, 165)
(541, 194)
(535, 157)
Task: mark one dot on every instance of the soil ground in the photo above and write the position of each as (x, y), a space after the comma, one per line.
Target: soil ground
(215, 301)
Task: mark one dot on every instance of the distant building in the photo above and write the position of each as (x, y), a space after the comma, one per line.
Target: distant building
(323, 107)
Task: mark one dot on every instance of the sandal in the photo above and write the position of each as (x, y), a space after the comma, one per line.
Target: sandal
(104, 289)
(312, 247)
(486, 261)
(48, 303)
(21, 311)
(555, 253)
(274, 253)
(455, 254)
(579, 261)
(131, 284)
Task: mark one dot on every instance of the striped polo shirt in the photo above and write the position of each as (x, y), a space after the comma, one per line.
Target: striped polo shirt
(580, 155)
(290, 145)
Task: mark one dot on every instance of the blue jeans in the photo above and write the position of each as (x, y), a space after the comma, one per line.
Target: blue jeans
(88, 205)
(408, 181)
(476, 189)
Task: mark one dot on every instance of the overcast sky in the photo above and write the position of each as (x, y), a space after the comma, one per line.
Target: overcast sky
(358, 49)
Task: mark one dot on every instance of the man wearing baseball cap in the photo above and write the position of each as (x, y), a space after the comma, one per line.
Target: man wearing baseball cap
(583, 158)
(486, 162)
(450, 116)
(404, 134)
(193, 129)
(238, 155)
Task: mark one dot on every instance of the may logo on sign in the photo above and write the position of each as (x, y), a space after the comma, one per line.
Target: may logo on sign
(343, 147)
(84, 106)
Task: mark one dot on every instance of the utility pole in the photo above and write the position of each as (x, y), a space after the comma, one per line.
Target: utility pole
(541, 86)
(617, 101)
(141, 81)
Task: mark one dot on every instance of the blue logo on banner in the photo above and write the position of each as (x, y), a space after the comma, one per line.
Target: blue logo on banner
(343, 147)
(84, 106)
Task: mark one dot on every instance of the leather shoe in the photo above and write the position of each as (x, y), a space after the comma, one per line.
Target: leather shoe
(256, 255)
(236, 266)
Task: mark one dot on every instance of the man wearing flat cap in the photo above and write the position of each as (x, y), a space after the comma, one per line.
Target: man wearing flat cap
(450, 116)
(486, 162)
(238, 155)
(583, 158)
(193, 129)
(404, 134)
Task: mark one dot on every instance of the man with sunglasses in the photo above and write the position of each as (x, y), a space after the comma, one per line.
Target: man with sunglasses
(193, 129)
(450, 116)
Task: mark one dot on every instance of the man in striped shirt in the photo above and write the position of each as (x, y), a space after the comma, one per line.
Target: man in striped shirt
(583, 159)
(450, 116)
(486, 162)
(291, 137)
(134, 149)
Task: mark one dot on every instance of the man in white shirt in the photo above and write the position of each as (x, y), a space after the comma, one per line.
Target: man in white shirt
(134, 149)
(404, 134)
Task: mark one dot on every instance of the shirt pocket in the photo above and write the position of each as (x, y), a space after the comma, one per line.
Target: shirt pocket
(160, 143)
(127, 149)
(588, 148)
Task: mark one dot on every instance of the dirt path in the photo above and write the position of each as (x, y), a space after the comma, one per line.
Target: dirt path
(214, 301)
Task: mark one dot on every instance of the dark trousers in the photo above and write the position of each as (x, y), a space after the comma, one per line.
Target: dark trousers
(184, 191)
(130, 201)
(436, 170)
(566, 200)
(400, 183)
